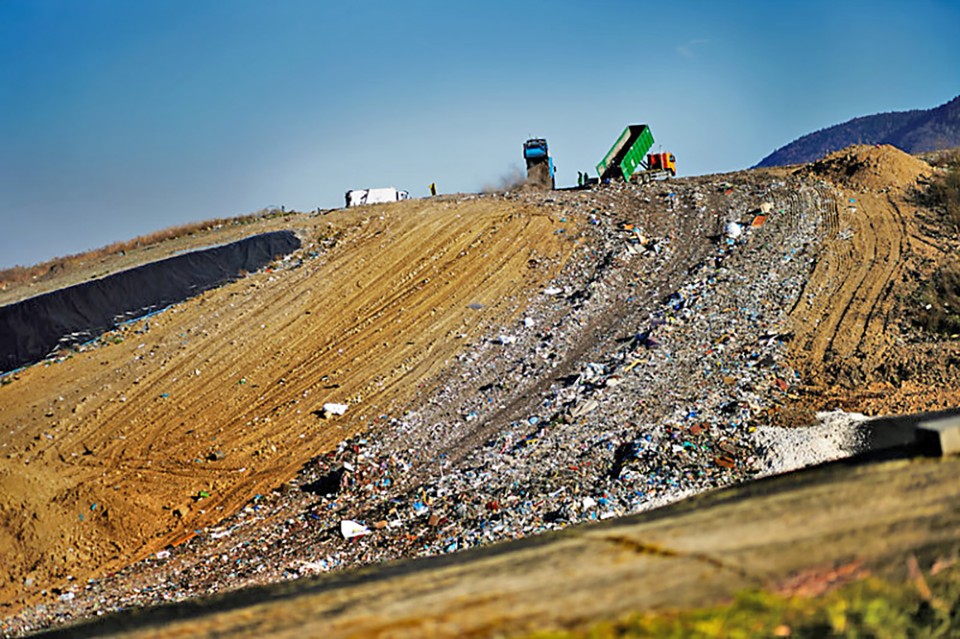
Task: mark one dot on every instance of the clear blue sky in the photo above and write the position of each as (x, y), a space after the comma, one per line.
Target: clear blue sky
(121, 117)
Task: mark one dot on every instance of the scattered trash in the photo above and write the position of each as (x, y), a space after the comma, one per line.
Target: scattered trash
(725, 462)
(584, 407)
(350, 529)
(334, 409)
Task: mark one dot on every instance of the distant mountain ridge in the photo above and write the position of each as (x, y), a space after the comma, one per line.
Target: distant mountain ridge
(911, 131)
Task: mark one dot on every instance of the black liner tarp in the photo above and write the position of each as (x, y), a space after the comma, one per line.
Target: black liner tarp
(33, 328)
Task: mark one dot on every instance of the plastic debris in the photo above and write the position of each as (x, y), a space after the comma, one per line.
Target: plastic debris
(334, 409)
(350, 529)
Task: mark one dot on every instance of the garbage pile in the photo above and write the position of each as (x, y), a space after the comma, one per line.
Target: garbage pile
(636, 378)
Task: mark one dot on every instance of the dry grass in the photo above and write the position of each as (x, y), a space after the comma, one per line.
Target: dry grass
(922, 606)
(19, 275)
(945, 191)
(936, 303)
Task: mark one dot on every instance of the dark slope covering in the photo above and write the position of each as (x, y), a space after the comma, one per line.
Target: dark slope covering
(31, 329)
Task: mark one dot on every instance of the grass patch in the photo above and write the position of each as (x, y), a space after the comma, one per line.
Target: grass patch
(935, 305)
(944, 192)
(18, 275)
(923, 607)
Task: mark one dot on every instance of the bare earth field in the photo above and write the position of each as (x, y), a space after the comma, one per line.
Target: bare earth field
(512, 364)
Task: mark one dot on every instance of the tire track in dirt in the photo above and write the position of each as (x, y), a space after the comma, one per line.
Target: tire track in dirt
(848, 346)
(873, 339)
(848, 291)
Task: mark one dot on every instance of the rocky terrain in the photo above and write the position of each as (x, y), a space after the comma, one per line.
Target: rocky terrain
(434, 375)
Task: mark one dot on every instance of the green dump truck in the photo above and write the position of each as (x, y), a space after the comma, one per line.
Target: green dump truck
(628, 157)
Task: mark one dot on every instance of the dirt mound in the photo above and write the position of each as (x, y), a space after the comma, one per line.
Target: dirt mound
(869, 167)
(853, 348)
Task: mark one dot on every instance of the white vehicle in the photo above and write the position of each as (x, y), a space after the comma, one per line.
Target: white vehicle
(359, 197)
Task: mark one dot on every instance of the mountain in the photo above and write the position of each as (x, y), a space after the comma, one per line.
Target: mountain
(911, 131)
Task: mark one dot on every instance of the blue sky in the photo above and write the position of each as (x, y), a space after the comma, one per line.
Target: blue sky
(120, 117)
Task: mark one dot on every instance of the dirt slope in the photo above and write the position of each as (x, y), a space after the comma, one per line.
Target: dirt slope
(110, 454)
(852, 345)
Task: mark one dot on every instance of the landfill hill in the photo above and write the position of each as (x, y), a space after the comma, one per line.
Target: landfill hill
(510, 364)
(915, 131)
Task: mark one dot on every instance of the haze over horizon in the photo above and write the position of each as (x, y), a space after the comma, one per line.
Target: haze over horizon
(118, 119)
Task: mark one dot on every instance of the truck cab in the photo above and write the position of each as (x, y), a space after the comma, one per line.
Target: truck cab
(662, 162)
